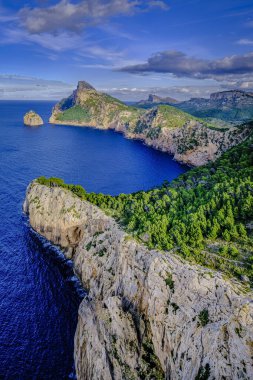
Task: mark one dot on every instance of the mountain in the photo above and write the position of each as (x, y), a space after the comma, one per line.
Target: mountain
(235, 106)
(154, 99)
(189, 139)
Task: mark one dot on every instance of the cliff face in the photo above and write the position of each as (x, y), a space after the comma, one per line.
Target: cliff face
(187, 138)
(149, 315)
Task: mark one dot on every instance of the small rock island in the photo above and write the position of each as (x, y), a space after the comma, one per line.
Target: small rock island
(32, 119)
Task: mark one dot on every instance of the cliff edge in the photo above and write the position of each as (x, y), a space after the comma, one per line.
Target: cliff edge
(148, 315)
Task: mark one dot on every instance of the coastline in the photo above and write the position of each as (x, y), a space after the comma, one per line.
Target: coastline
(127, 283)
(170, 139)
(126, 136)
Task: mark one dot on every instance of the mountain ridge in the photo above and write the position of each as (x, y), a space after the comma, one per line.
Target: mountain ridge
(155, 99)
(235, 106)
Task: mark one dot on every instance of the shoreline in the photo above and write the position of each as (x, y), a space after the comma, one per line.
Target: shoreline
(209, 143)
(126, 280)
(128, 137)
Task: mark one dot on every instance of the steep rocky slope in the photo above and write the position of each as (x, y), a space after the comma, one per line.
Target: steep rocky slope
(148, 315)
(188, 139)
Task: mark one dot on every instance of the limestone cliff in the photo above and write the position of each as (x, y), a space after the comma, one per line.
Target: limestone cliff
(32, 119)
(188, 139)
(148, 315)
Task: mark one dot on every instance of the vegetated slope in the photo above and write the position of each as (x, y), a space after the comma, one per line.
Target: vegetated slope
(206, 215)
(90, 107)
(222, 108)
(189, 139)
(235, 106)
(148, 314)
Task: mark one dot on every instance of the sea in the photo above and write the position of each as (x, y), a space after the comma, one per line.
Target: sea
(39, 293)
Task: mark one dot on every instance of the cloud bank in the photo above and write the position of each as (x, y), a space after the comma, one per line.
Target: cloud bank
(16, 87)
(74, 17)
(181, 65)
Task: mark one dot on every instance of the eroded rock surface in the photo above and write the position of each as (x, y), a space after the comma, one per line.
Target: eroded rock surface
(32, 119)
(149, 315)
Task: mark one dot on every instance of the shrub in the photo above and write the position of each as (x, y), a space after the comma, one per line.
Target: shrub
(203, 317)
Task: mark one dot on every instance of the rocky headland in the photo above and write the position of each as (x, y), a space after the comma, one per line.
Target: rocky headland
(32, 119)
(148, 314)
(190, 140)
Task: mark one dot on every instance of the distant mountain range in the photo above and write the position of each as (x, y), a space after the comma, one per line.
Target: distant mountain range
(232, 106)
(155, 99)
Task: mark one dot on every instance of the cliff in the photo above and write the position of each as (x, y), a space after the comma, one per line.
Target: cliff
(148, 315)
(189, 139)
(32, 119)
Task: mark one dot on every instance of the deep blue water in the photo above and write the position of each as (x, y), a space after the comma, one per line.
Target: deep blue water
(38, 294)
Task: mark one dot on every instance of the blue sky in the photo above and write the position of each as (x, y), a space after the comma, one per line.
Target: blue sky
(128, 48)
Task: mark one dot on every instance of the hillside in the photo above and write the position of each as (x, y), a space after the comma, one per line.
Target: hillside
(205, 215)
(234, 106)
(221, 108)
(189, 139)
(151, 312)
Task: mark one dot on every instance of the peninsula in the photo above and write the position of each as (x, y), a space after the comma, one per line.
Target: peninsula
(168, 272)
(189, 139)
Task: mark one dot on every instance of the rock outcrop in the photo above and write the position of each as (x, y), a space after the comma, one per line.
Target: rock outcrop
(32, 119)
(148, 315)
(188, 139)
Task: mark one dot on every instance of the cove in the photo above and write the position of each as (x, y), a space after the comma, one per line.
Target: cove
(38, 294)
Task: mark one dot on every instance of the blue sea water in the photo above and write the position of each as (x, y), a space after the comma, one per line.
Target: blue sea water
(39, 296)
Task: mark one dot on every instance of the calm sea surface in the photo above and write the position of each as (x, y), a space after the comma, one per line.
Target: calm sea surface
(39, 296)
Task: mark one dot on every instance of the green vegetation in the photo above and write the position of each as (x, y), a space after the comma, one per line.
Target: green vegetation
(75, 113)
(203, 317)
(203, 373)
(174, 117)
(102, 109)
(235, 114)
(151, 367)
(169, 282)
(175, 307)
(202, 215)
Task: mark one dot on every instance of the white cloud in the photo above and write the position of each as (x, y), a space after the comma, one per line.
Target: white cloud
(58, 43)
(66, 15)
(245, 41)
(179, 64)
(177, 92)
(24, 87)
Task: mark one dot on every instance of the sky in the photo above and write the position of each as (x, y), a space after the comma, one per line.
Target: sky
(127, 48)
